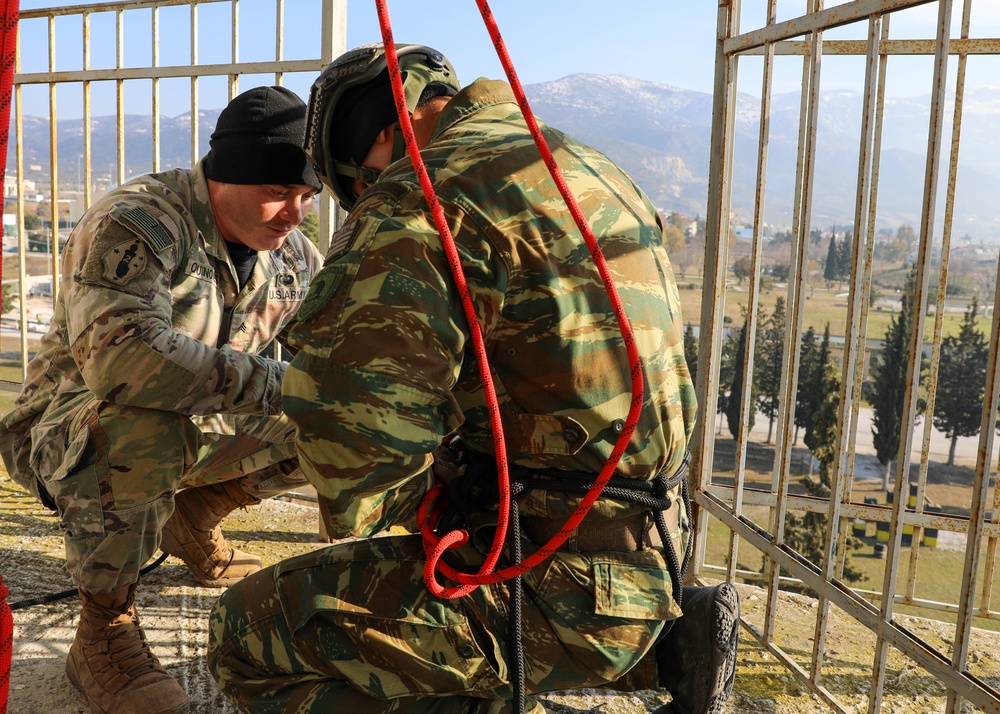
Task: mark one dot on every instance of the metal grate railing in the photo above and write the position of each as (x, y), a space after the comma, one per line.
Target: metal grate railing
(756, 504)
(121, 46)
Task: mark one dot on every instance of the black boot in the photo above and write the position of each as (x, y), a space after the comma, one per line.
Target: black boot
(697, 658)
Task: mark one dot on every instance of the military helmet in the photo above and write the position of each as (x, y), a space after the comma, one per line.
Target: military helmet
(351, 102)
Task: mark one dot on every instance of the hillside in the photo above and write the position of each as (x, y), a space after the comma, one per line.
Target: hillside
(660, 135)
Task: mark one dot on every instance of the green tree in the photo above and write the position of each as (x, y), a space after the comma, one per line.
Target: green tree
(734, 402)
(691, 351)
(8, 300)
(807, 533)
(907, 238)
(770, 357)
(831, 269)
(674, 237)
(844, 249)
(806, 389)
(958, 406)
(310, 226)
(32, 222)
(887, 374)
(742, 268)
(727, 369)
(816, 386)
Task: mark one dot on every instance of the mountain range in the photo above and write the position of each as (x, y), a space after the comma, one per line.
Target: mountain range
(661, 136)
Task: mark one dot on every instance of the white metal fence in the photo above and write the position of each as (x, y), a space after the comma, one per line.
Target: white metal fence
(751, 505)
(131, 53)
(755, 502)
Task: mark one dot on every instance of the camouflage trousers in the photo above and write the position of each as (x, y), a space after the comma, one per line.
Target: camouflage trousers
(112, 472)
(353, 628)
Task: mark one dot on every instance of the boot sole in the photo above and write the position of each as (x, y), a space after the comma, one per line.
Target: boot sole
(726, 619)
(74, 679)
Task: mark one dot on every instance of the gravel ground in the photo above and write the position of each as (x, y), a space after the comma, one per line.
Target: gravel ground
(174, 609)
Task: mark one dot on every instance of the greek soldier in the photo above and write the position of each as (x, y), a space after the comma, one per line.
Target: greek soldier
(386, 378)
(149, 411)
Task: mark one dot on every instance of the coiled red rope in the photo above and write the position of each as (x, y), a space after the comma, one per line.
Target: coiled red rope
(8, 45)
(435, 546)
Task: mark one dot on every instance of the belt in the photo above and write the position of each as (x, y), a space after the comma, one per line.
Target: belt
(618, 535)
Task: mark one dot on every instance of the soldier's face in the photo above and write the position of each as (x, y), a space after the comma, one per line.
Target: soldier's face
(260, 216)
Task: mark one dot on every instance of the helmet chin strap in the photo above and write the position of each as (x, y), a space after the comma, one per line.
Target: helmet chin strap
(398, 144)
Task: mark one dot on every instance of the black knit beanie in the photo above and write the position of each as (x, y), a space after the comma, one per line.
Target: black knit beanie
(258, 139)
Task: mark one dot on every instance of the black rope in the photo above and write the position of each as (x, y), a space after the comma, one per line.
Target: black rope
(53, 597)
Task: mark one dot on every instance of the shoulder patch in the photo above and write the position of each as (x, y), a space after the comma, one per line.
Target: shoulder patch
(124, 261)
(119, 257)
(324, 286)
(139, 220)
(343, 239)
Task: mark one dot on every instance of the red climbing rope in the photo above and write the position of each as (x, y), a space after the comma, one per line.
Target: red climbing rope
(8, 44)
(6, 646)
(433, 545)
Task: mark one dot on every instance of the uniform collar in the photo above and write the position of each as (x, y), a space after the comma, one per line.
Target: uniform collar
(480, 94)
(204, 218)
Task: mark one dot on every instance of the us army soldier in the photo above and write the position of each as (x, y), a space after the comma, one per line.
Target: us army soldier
(148, 412)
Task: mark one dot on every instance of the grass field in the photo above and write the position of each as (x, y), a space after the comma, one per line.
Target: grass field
(822, 305)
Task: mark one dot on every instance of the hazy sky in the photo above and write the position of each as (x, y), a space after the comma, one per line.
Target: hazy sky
(667, 41)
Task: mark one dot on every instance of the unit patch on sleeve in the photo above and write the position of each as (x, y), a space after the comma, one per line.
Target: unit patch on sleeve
(124, 261)
(119, 257)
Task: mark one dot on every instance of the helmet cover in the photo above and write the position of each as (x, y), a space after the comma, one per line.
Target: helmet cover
(351, 102)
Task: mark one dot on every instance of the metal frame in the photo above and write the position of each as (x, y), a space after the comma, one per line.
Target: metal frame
(803, 36)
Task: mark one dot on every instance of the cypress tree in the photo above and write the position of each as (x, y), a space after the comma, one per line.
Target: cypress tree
(691, 352)
(734, 403)
(958, 405)
(805, 391)
(770, 359)
(888, 379)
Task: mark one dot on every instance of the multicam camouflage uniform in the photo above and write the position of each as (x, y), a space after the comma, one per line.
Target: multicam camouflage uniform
(150, 377)
(386, 370)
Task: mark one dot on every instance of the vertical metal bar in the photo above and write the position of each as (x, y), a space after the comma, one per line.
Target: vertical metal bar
(87, 148)
(759, 200)
(932, 381)
(800, 225)
(22, 237)
(234, 78)
(333, 43)
(901, 490)
(977, 509)
(54, 160)
(195, 114)
(716, 249)
(156, 88)
(120, 92)
(279, 38)
(876, 152)
(850, 390)
(987, 433)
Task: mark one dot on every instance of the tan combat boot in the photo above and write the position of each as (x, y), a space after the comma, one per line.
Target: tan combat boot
(193, 534)
(111, 664)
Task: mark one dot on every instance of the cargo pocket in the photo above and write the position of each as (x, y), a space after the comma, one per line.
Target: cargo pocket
(362, 607)
(607, 608)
